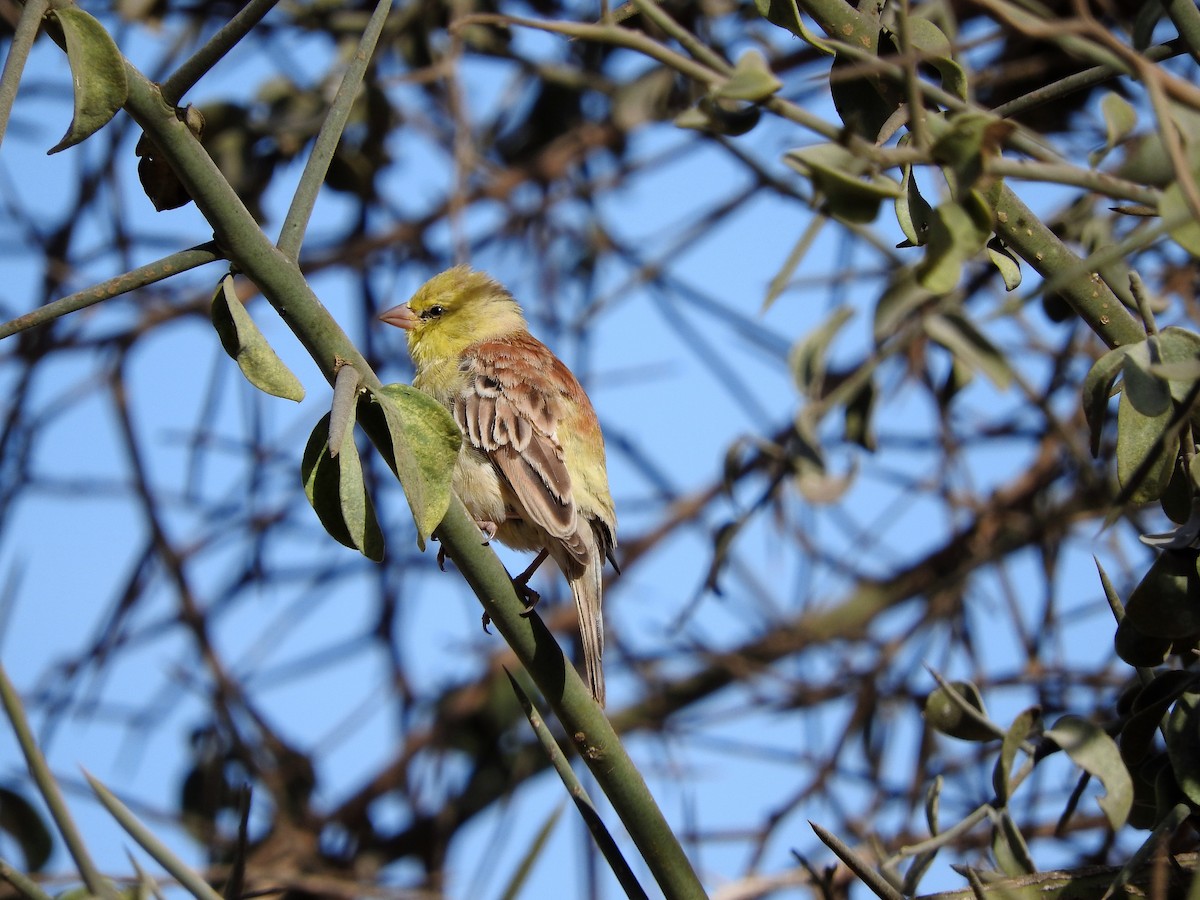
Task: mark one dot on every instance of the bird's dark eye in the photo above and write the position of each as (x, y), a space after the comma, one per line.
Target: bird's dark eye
(433, 312)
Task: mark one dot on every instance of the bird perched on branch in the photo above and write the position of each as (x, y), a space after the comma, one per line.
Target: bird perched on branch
(531, 471)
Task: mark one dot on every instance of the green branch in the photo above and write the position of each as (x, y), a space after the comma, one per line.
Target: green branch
(18, 53)
(130, 281)
(185, 77)
(283, 285)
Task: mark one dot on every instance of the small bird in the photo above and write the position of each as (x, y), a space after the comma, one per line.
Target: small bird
(531, 470)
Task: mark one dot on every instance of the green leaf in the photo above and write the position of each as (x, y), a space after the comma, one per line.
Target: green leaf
(954, 238)
(1183, 745)
(1138, 649)
(97, 73)
(944, 710)
(958, 335)
(900, 301)
(850, 190)
(424, 450)
(936, 49)
(858, 420)
(963, 143)
(1009, 847)
(1097, 390)
(248, 346)
(20, 820)
(807, 359)
(1179, 354)
(1120, 119)
(345, 400)
(1003, 259)
(913, 212)
(1181, 224)
(1023, 726)
(785, 14)
(1166, 603)
(751, 80)
(1149, 707)
(863, 102)
(1096, 753)
(335, 487)
(1145, 451)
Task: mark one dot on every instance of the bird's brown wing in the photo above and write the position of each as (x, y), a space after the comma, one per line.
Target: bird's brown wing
(511, 408)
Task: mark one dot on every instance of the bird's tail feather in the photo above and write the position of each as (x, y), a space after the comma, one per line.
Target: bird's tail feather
(587, 589)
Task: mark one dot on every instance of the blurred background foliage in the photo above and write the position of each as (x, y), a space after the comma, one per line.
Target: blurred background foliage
(844, 422)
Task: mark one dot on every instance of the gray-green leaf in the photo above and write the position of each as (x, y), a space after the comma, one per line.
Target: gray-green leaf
(97, 74)
(335, 487)
(424, 450)
(1096, 753)
(248, 346)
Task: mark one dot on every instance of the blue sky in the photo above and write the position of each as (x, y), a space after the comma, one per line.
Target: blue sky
(69, 545)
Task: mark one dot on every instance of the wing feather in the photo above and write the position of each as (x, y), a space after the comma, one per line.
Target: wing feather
(511, 410)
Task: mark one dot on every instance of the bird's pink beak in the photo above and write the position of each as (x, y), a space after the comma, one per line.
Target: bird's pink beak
(400, 316)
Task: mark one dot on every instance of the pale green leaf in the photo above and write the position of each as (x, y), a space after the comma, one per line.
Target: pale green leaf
(751, 80)
(1096, 753)
(1022, 727)
(345, 400)
(424, 449)
(957, 709)
(248, 346)
(97, 74)
(1181, 224)
(1003, 259)
(954, 238)
(957, 334)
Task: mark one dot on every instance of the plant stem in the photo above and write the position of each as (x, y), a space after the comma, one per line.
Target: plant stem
(97, 885)
(192, 70)
(132, 280)
(291, 235)
(18, 52)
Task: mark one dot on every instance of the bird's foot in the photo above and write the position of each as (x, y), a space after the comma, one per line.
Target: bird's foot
(441, 558)
(487, 620)
(488, 530)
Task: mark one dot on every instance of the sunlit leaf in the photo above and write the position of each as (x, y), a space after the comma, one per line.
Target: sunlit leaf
(1120, 119)
(424, 450)
(345, 400)
(1002, 258)
(248, 346)
(1096, 753)
(97, 74)
(1181, 223)
(751, 80)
